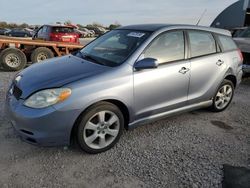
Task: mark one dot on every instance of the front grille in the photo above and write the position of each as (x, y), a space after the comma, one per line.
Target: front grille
(17, 92)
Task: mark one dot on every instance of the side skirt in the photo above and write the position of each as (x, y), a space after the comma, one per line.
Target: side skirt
(163, 115)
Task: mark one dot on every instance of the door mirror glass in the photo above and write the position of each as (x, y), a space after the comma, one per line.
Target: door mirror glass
(147, 63)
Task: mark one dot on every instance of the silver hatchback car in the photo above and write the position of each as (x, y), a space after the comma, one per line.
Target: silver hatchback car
(125, 78)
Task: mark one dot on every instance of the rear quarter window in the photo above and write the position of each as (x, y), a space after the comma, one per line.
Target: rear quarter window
(227, 43)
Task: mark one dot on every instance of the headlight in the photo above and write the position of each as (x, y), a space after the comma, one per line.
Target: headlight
(47, 97)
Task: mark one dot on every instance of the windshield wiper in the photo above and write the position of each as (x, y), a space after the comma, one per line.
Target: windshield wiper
(90, 58)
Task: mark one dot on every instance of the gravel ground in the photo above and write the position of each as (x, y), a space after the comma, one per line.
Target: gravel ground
(182, 151)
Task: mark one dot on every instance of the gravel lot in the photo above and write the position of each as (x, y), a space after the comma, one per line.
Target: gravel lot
(182, 151)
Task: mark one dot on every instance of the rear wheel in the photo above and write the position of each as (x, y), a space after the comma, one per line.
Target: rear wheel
(100, 128)
(223, 96)
(41, 54)
(13, 59)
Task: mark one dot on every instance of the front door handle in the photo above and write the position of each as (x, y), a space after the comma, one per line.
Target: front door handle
(183, 70)
(219, 62)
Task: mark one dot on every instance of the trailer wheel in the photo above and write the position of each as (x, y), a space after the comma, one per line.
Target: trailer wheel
(41, 54)
(13, 59)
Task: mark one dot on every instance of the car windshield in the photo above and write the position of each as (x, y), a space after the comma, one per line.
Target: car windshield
(113, 48)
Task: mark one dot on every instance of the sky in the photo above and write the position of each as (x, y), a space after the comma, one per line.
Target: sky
(110, 11)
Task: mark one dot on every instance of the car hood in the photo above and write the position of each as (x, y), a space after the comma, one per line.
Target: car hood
(55, 73)
(243, 44)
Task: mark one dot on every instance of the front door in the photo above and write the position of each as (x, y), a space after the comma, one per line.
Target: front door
(166, 87)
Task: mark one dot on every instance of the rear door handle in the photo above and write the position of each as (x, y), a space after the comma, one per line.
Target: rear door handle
(219, 62)
(183, 70)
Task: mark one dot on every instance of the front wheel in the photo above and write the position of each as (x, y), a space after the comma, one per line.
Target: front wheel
(223, 96)
(100, 128)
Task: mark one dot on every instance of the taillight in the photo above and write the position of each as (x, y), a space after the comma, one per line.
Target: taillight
(241, 55)
(53, 35)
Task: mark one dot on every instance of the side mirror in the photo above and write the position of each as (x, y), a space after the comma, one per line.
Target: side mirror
(147, 63)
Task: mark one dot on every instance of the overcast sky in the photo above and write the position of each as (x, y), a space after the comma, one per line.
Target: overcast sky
(109, 11)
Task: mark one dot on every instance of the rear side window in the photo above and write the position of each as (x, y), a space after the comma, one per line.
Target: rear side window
(201, 43)
(227, 43)
(62, 30)
(167, 47)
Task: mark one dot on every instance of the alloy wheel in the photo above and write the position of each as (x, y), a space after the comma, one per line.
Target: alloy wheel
(224, 96)
(101, 129)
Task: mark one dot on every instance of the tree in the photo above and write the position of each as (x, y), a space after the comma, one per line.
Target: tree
(68, 22)
(12, 25)
(24, 25)
(96, 24)
(114, 26)
(3, 24)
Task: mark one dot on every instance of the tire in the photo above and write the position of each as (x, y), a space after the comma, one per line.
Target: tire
(13, 59)
(223, 96)
(41, 54)
(95, 136)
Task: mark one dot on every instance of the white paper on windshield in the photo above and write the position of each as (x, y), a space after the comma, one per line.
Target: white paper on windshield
(136, 34)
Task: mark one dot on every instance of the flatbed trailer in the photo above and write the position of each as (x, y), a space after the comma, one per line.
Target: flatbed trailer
(16, 52)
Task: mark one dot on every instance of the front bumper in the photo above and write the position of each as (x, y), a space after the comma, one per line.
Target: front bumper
(44, 127)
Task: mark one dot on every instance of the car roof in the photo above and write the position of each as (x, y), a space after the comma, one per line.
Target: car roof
(58, 25)
(156, 27)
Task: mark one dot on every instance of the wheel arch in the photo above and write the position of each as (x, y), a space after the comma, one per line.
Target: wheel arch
(232, 78)
(124, 109)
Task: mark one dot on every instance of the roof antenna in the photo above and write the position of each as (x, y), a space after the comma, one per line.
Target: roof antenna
(202, 15)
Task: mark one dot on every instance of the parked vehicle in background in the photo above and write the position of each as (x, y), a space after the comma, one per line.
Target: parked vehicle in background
(82, 34)
(237, 31)
(98, 30)
(127, 77)
(32, 32)
(17, 32)
(243, 41)
(57, 33)
(3, 31)
(90, 33)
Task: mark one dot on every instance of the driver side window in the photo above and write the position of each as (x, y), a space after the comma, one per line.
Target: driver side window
(39, 32)
(167, 47)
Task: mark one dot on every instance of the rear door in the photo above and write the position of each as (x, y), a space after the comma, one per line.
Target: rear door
(166, 87)
(208, 66)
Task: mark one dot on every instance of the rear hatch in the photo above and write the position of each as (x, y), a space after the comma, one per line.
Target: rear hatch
(64, 34)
